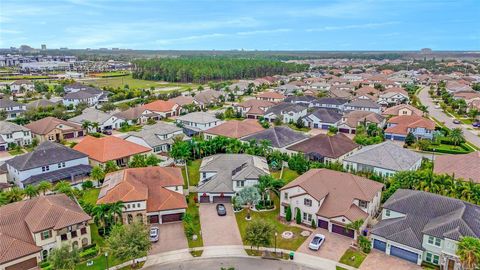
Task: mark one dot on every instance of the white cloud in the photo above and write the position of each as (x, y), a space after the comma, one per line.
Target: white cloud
(351, 26)
(257, 32)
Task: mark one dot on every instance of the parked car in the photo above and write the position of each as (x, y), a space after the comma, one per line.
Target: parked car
(456, 121)
(316, 242)
(154, 234)
(221, 210)
(107, 132)
(476, 124)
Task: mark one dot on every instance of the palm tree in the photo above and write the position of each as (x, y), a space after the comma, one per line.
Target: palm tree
(31, 191)
(95, 126)
(86, 125)
(469, 252)
(116, 210)
(456, 135)
(101, 215)
(15, 194)
(44, 186)
(64, 187)
(355, 225)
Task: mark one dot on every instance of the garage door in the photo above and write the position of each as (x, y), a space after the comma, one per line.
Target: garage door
(388, 136)
(344, 130)
(403, 254)
(204, 199)
(68, 135)
(341, 230)
(220, 199)
(80, 133)
(399, 138)
(325, 126)
(28, 264)
(323, 224)
(380, 245)
(172, 217)
(3, 148)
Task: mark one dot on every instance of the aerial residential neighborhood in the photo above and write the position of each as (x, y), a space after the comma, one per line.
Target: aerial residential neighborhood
(238, 135)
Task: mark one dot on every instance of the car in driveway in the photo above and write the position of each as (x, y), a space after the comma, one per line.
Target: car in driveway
(154, 234)
(221, 210)
(456, 121)
(476, 124)
(316, 242)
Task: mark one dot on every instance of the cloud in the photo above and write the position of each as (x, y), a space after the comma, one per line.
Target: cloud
(257, 32)
(351, 26)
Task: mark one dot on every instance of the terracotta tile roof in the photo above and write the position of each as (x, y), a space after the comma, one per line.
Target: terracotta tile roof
(160, 106)
(18, 221)
(108, 148)
(236, 129)
(271, 94)
(257, 106)
(367, 90)
(144, 184)
(339, 190)
(462, 166)
(354, 118)
(326, 146)
(396, 109)
(47, 124)
(405, 122)
(396, 90)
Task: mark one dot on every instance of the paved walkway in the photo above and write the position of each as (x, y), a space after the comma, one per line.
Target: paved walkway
(438, 114)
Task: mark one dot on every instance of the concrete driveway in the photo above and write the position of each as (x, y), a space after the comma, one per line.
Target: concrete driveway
(333, 248)
(379, 260)
(172, 237)
(216, 230)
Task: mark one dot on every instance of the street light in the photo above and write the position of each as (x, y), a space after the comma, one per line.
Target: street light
(106, 260)
(276, 234)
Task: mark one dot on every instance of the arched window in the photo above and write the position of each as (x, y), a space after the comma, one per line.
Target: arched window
(84, 242)
(75, 244)
(129, 218)
(139, 217)
(44, 254)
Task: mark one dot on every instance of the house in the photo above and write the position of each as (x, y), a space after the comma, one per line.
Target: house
(330, 103)
(271, 96)
(367, 92)
(158, 137)
(331, 199)
(351, 120)
(363, 105)
(239, 88)
(392, 98)
(41, 103)
(339, 93)
(287, 112)
(110, 148)
(398, 127)
(105, 121)
(253, 108)
(90, 96)
(75, 87)
(183, 101)
(460, 166)
(164, 109)
(54, 129)
(325, 148)
(467, 95)
(136, 115)
(11, 133)
(419, 226)
(384, 159)
(223, 175)
(196, 122)
(11, 108)
(234, 129)
(322, 118)
(208, 98)
(31, 229)
(402, 109)
(153, 195)
(288, 89)
(21, 86)
(51, 162)
(302, 100)
(456, 86)
(280, 137)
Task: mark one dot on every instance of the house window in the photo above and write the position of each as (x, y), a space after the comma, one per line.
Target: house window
(434, 241)
(387, 213)
(307, 202)
(9, 136)
(362, 204)
(138, 205)
(74, 234)
(46, 234)
(83, 231)
(45, 168)
(240, 183)
(285, 195)
(307, 217)
(432, 258)
(176, 188)
(204, 175)
(128, 206)
(285, 209)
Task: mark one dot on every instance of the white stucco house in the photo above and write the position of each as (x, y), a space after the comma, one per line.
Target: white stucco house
(13, 133)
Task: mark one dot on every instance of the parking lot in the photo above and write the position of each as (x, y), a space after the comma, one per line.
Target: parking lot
(171, 237)
(219, 230)
(333, 247)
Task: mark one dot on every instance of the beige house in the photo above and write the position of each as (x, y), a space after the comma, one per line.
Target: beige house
(54, 129)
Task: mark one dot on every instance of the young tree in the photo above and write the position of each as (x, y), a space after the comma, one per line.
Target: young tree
(259, 233)
(298, 216)
(456, 136)
(288, 215)
(299, 124)
(247, 197)
(355, 225)
(469, 252)
(298, 163)
(138, 161)
(333, 129)
(410, 139)
(44, 186)
(110, 166)
(129, 242)
(63, 258)
(152, 160)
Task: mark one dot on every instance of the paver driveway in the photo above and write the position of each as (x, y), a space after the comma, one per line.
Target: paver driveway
(172, 237)
(379, 260)
(333, 248)
(216, 230)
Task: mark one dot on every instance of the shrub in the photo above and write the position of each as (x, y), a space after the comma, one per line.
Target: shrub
(314, 225)
(288, 215)
(365, 244)
(87, 185)
(298, 217)
(89, 253)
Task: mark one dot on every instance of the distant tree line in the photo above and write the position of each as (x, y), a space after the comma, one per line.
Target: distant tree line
(204, 69)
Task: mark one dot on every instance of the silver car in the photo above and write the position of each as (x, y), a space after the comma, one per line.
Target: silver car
(316, 242)
(154, 234)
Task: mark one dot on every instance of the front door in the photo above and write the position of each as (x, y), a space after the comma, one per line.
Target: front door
(451, 265)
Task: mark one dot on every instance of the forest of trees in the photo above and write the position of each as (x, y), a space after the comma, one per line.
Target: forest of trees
(204, 69)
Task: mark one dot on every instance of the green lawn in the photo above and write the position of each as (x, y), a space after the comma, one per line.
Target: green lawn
(193, 211)
(288, 175)
(110, 74)
(96, 238)
(16, 152)
(99, 263)
(272, 216)
(193, 172)
(358, 258)
(292, 126)
(120, 81)
(91, 195)
(340, 268)
(128, 128)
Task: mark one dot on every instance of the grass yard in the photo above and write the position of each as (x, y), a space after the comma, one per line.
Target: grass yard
(99, 263)
(24, 77)
(288, 175)
(96, 238)
(193, 172)
(193, 211)
(16, 152)
(110, 74)
(357, 255)
(272, 216)
(91, 195)
(292, 126)
(129, 128)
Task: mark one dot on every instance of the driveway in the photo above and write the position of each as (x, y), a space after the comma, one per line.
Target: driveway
(216, 230)
(333, 248)
(379, 260)
(172, 237)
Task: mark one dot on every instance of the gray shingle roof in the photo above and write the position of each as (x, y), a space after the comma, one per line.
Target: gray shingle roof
(327, 115)
(198, 117)
(278, 136)
(285, 107)
(46, 153)
(386, 155)
(83, 94)
(150, 134)
(363, 103)
(331, 101)
(6, 103)
(8, 127)
(445, 218)
(92, 115)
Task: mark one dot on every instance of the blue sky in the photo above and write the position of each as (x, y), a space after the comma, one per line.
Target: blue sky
(247, 24)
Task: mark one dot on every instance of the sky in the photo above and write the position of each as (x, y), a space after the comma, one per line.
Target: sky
(246, 24)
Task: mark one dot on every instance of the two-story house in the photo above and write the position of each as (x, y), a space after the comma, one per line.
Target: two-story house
(419, 226)
(351, 120)
(99, 121)
(153, 195)
(31, 229)
(51, 162)
(11, 109)
(331, 199)
(287, 112)
(361, 104)
(90, 96)
(223, 175)
(253, 108)
(322, 118)
(393, 96)
(159, 137)
(21, 86)
(398, 127)
(11, 133)
(330, 103)
(196, 122)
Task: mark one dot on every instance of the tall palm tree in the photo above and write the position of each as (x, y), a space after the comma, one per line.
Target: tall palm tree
(116, 210)
(44, 186)
(95, 126)
(31, 191)
(64, 187)
(456, 135)
(469, 252)
(86, 125)
(15, 194)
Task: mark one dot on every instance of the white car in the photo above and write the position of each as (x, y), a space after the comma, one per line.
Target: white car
(154, 234)
(316, 242)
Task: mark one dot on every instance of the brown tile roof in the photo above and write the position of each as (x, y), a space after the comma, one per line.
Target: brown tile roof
(144, 184)
(396, 109)
(339, 190)
(367, 90)
(182, 100)
(108, 148)
(18, 221)
(354, 118)
(257, 106)
(160, 106)
(236, 129)
(271, 94)
(405, 122)
(462, 166)
(327, 146)
(47, 124)
(131, 113)
(396, 90)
